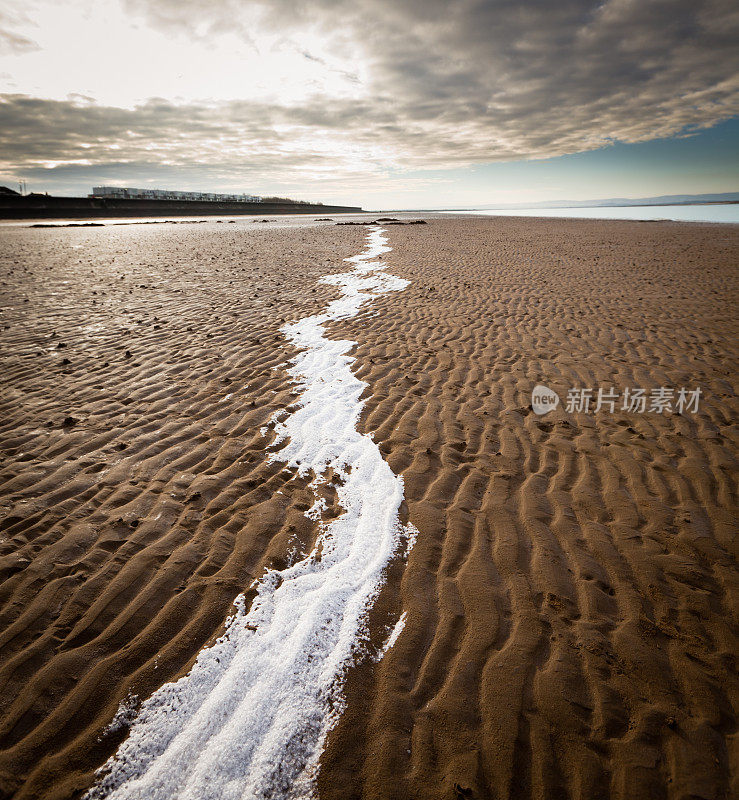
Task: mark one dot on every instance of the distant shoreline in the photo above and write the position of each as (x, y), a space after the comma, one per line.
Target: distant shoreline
(40, 206)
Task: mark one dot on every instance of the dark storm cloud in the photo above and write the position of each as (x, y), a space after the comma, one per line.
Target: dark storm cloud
(445, 84)
(577, 70)
(43, 136)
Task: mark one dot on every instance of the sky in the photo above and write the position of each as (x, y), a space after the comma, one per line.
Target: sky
(379, 103)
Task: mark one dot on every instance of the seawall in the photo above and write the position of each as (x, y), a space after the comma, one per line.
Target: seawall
(49, 207)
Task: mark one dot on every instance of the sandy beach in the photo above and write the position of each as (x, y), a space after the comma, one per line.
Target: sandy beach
(569, 607)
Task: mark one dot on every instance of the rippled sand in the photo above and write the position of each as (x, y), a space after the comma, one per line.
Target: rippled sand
(570, 603)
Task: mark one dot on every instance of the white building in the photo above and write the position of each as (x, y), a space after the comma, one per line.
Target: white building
(168, 194)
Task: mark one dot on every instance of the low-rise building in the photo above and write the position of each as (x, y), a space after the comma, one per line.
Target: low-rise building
(129, 193)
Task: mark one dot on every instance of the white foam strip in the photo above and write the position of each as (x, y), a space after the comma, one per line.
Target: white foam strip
(251, 718)
(394, 634)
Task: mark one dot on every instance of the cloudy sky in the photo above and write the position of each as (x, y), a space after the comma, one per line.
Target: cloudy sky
(387, 103)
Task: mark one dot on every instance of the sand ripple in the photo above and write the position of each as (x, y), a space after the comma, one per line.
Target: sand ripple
(568, 612)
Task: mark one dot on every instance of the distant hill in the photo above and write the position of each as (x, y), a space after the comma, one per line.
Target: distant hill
(665, 199)
(662, 200)
(5, 191)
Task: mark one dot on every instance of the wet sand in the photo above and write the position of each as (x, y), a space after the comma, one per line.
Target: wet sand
(571, 598)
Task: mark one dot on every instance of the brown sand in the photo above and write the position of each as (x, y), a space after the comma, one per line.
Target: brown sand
(572, 596)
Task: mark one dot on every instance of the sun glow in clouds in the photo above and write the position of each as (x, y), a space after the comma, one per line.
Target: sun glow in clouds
(251, 717)
(124, 60)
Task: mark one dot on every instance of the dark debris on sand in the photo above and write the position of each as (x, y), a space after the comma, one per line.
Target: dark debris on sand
(387, 221)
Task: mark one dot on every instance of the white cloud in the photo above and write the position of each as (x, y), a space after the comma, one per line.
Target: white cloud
(12, 41)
